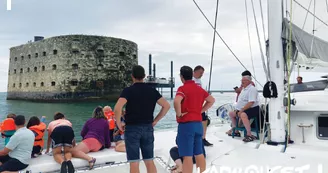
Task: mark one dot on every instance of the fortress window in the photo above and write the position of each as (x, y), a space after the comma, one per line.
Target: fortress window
(53, 83)
(21, 70)
(15, 58)
(100, 66)
(43, 68)
(8, 71)
(36, 55)
(122, 54)
(44, 53)
(75, 51)
(74, 82)
(20, 85)
(35, 69)
(42, 84)
(134, 56)
(55, 52)
(75, 66)
(29, 56)
(22, 58)
(54, 67)
(14, 71)
(27, 84)
(28, 69)
(34, 84)
(14, 85)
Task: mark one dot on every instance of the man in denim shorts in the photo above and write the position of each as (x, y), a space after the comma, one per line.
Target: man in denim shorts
(140, 100)
(189, 106)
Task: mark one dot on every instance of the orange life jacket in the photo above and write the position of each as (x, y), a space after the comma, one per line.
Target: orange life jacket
(39, 131)
(111, 119)
(7, 125)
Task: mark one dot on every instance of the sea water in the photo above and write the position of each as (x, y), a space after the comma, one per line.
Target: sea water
(79, 113)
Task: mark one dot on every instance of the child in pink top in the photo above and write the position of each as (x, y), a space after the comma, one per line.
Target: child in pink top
(61, 134)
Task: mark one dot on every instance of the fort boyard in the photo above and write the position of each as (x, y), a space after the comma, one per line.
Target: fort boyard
(71, 68)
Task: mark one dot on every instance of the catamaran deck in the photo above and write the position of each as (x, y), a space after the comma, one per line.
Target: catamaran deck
(227, 153)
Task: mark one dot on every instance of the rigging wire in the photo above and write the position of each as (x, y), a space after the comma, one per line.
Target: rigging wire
(259, 41)
(311, 50)
(249, 39)
(307, 13)
(310, 12)
(223, 40)
(263, 27)
(213, 44)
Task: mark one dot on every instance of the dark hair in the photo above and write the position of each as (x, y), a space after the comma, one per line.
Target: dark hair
(98, 113)
(199, 67)
(300, 77)
(19, 120)
(235, 87)
(58, 116)
(33, 121)
(186, 72)
(246, 73)
(11, 115)
(138, 72)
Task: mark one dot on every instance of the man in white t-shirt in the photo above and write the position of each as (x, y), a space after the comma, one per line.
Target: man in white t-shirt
(247, 107)
(17, 153)
(198, 73)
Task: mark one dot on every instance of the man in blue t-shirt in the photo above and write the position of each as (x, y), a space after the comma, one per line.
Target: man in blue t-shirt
(140, 100)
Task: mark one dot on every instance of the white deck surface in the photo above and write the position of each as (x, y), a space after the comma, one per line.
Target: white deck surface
(226, 152)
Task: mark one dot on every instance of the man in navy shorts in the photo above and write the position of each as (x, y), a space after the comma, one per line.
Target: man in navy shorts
(140, 100)
(198, 73)
(189, 106)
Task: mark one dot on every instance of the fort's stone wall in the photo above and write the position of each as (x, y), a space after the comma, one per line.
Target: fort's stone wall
(73, 67)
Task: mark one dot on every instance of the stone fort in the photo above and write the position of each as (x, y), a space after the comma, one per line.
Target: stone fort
(71, 68)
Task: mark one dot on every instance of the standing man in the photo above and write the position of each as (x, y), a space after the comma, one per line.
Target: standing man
(140, 100)
(198, 73)
(189, 105)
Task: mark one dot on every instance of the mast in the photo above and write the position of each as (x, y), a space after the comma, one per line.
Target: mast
(276, 107)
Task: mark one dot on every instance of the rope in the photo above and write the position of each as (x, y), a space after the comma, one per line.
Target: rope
(259, 41)
(288, 65)
(223, 40)
(213, 44)
(310, 13)
(249, 39)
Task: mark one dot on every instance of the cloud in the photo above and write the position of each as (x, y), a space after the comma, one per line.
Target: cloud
(170, 30)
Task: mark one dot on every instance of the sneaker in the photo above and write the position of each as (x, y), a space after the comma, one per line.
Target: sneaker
(63, 168)
(206, 143)
(70, 167)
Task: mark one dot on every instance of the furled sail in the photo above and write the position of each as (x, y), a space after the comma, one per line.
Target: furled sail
(312, 51)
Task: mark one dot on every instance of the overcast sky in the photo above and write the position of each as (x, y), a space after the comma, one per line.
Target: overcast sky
(168, 29)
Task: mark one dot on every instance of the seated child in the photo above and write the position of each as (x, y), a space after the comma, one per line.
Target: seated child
(8, 127)
(38, 128)
(109, 114)
(119, 140)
